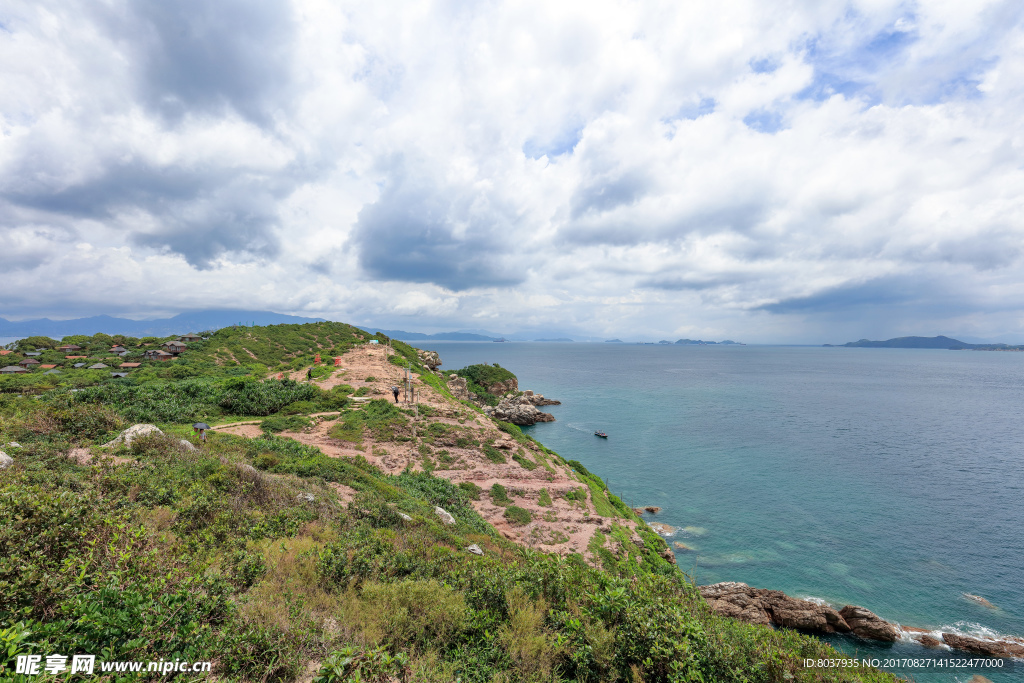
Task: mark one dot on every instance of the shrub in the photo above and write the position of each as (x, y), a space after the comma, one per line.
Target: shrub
(517, 516)
(471, 489)
(494, 455)
(370, 666)
(410, 613)
(499, 496)
(292, 423)
(544, 499)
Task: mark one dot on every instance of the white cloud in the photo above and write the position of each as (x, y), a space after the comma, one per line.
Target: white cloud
(651, 169)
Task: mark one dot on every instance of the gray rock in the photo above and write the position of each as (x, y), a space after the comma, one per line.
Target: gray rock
(518, 410)
(187, 445)
(430, 358)
(405, 516)
(459, 387)
(14, 444)
(135, 431)
(5, 461)
(305, 497)
(445, 516)
(475, 549)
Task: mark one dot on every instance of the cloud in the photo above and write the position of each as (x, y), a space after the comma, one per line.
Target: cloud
(719, 169)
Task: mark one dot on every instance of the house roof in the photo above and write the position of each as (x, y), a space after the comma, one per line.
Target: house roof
(130, 365)
(98, 366)
(28, 361)
(13, 368)
(76, 356)
(4, 352)
(79, 365)
(33, 353)
(52, 372)
(117, 349)
(47, 366)
(69, 347)
(119, 374)
(157, 353)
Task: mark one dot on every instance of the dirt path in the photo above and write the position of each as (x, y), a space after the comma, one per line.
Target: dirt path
(563, 526)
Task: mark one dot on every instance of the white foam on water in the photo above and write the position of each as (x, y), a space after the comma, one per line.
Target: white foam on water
(817, 601)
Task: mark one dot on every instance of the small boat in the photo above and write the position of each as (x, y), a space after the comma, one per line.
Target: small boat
(601, 434)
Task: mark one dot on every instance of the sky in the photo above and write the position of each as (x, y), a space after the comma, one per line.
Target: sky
(804, 171)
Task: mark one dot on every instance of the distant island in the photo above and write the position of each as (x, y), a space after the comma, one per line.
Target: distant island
(724, 342)
(613, 341)
(440, 336)
(939, 342)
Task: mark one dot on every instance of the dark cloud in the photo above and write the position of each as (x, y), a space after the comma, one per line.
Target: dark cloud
(197, 57)
(603, 195)
(200, 213)
(457, 238)
(881, 292)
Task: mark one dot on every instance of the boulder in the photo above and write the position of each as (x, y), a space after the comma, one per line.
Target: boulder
(519, 411)
(475, 549)
(539, 400)
(987, 648)
(135, 431)
(444, 515)
(928, 641)
(459, 387)
(430, 358)
(761, 606)
(404, 516)
(14, 444)
(305, 497)
(187, 445)
(867, 624)
(5, 461)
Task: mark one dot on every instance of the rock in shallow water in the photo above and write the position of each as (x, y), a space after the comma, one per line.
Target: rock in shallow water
(867, 624)
(989, 648)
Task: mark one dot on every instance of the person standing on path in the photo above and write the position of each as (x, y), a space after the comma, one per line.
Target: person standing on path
(395, 390)
(309, 375)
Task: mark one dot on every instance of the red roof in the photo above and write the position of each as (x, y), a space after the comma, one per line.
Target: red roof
(76, 356)
(47, 366)
(4, 352)
(130, 365)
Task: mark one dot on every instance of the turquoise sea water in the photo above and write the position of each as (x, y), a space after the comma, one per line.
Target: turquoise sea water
(888, 478)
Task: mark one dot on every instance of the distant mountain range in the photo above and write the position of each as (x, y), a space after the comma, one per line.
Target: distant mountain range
(402, 335)
(939, 342)
(182, 323)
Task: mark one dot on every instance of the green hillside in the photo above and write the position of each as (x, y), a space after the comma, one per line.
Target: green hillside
(279, 563)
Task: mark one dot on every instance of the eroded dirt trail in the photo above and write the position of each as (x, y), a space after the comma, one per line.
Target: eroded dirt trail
(467, 448)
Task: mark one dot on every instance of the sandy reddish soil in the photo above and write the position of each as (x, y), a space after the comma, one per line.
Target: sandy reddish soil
(565, 526)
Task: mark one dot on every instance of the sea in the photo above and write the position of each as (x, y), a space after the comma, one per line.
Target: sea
(887, 478)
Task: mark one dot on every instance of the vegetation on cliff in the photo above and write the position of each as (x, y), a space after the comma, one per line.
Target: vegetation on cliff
(277, 561)
(488, 382)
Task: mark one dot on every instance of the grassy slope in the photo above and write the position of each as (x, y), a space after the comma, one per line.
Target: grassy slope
(214, 554)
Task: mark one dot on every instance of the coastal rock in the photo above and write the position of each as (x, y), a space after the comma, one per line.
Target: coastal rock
(539, 400)
(929, 642)
(444, 515)
(519, 411)
(867, 624)
(503, 387)
(430, 358)
(5, 461)
(475, 549)
(988, 648)
(459, 387)
(663, 529)
(679, 545)
(762, 606)
(135, 431)
(668, 555)
(653, 509)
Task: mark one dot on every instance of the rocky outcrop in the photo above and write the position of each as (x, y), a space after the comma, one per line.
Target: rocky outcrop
(519, 411)
(429, 358)
(475, 549)
(510, 385)
(762, 606)
(867, 624)
(135, 431)
(459, 387)
(5, 461)
(539, 400)
(987, 648)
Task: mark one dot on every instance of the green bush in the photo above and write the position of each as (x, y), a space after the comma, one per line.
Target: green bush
(499, 496)
(544, 498)
(517, 516)
(494, 455)
(471, 489)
